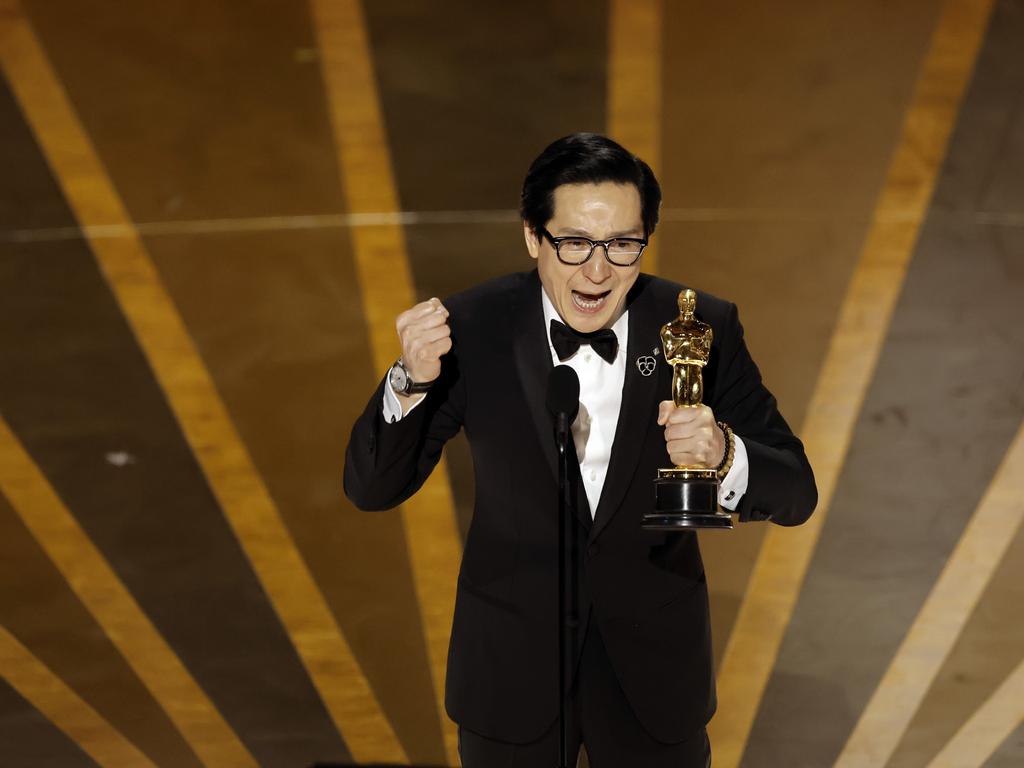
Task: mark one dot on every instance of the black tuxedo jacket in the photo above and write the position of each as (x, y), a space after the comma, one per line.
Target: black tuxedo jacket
(646, 590)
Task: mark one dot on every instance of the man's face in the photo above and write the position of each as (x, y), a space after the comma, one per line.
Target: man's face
(592, 295)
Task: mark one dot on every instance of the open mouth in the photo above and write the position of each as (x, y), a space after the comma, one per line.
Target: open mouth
(589, 302)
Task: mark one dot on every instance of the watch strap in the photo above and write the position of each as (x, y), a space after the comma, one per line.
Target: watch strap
(411, 387)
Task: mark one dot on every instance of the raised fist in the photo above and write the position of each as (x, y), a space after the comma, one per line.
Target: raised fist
(425, 336)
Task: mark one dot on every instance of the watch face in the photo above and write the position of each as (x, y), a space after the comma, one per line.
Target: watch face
(399, 378)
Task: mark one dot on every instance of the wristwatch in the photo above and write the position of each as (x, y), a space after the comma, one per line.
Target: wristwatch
(402, 382)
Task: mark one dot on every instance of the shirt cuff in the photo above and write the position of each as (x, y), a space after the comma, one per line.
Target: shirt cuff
(734, 484)
(392, 407)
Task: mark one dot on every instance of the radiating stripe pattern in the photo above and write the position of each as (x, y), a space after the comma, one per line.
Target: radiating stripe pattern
(385, 281)
(104, 595)
(994, 721)
(848, 368)
(64, 708)
(770, 645)
(967, 573)
(205, 422)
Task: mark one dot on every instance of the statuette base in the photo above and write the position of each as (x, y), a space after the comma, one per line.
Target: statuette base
(686, 498)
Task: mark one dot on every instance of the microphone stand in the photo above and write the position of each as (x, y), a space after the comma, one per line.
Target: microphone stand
(567, 594)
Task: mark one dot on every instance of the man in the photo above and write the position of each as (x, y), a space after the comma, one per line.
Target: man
(643, 688)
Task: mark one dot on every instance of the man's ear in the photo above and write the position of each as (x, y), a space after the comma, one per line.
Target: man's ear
(532, 241)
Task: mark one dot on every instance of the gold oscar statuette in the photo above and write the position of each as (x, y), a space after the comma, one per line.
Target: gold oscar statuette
(687, 496)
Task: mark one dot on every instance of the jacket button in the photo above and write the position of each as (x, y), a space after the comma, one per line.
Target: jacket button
(592, 550)
(371, 444)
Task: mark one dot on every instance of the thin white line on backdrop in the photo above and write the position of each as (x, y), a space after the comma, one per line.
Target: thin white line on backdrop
(426, 218)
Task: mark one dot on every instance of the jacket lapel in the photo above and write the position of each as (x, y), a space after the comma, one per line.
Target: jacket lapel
(533, 361)
(534, 364)
(638, 410)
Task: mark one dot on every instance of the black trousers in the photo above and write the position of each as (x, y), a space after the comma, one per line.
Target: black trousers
(603, 721)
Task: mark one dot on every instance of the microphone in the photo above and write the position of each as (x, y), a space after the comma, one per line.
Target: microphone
(563, 399)
(564, 403)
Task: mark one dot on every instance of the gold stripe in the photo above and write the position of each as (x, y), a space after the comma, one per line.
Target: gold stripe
(634, 85)
(207, 426)
(113, 607)
(988, 727)
(848, 368)
(386, 284)
(942, 617)
(63, 707)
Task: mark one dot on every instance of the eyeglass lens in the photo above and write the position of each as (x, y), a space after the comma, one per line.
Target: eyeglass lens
(621, 252)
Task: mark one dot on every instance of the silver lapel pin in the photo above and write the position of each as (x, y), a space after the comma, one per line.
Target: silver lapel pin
(647, 363)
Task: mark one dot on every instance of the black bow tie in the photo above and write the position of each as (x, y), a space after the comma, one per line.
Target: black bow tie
(567, 341)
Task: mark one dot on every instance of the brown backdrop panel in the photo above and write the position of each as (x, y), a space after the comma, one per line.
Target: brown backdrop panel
(28, 738)
(36, 604)
(208, 112)
(1010, 753)
(937, 420)
(991, 646)
(29, 198)
(779, 121)
(472, 92)
(41, 611)
(80, 390)
(200, 110)
(278, 319)
(983, 178)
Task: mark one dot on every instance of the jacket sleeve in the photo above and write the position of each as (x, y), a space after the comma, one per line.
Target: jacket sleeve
(386, 463)
(781, 483)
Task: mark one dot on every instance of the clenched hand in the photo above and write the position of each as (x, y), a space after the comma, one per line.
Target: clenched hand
(692, 438)
(425, 336)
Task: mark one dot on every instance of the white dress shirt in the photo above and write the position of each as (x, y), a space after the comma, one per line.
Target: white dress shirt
(593, 431)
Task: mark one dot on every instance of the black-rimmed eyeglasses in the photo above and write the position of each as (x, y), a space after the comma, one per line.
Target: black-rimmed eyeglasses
(576, 249)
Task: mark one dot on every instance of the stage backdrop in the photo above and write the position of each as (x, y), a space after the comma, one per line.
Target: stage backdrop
(210, 215)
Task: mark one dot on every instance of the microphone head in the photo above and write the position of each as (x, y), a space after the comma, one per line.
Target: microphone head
(563, 392)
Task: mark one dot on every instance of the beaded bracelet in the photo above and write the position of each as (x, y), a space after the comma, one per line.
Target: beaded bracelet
(730, 450)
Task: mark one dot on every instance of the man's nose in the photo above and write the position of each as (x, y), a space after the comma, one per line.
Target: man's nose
(597, 269)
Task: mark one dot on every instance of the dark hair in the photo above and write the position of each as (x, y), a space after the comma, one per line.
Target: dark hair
(586, 158)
